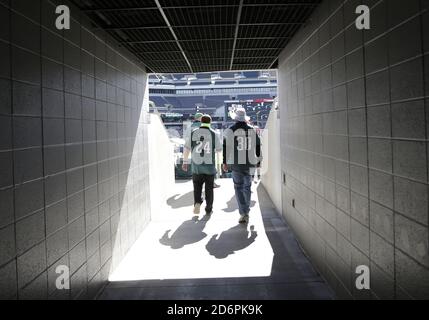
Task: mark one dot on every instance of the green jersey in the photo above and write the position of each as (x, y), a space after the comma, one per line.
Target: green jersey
(204, 143)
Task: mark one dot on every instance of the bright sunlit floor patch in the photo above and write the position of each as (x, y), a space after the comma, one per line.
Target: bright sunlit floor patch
(180, 245)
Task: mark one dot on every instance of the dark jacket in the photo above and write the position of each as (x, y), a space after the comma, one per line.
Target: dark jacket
(241, 147)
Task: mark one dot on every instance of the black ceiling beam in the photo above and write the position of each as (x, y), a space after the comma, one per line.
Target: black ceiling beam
(202, 59)
(161, 10)
(206, 51)
(204, 39)
(298, 4)
(203, 26)
(139, 28)
(154, 8)
(237, 28)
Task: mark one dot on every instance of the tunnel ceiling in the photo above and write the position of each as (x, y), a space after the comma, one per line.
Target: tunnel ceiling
(189, 36)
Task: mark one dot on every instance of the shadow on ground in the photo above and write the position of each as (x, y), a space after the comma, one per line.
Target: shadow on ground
(291, 274)
(181, 201)
(231, 241)
(233, 206)
(189, 232)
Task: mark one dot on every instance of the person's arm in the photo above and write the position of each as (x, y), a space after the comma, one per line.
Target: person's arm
(258, 146)
(225, 164)
(258, 149)
(186, 152)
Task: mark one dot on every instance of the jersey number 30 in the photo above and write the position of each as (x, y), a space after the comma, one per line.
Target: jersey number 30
(244, 143)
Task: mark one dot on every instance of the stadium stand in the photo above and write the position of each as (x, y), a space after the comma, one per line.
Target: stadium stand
(186, 97)
(159, 101)
(254, 96)
(216, 101)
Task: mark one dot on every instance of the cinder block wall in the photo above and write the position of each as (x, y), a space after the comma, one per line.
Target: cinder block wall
(73, 152)
(354, 114)
(271, 166)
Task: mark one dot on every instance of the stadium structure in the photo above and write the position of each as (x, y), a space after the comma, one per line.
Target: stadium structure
(177, 97)
(89, 204)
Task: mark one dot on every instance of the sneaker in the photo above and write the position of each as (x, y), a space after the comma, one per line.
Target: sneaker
(197, 208)
(209, 213)
(244, 219)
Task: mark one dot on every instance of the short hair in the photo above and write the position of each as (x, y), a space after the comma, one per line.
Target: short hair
(197, 116)
(206, 119)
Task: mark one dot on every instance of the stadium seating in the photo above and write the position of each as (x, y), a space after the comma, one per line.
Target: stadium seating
(254, 96)
(175, 102)
(215, 101)
(190, 102)
(158, 100)
(187, 106)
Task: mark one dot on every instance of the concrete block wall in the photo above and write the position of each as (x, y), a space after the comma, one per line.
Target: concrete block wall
(73, 152)
(161, 165)
(354, 115)
(271, 166)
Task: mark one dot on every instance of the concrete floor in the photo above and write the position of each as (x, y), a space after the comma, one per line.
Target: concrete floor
(182, 256)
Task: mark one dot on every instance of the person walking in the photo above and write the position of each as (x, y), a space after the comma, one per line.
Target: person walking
(203, 143)
(196, 123)
(241, 154)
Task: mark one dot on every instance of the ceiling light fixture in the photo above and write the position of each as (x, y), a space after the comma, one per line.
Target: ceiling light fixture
(216, 77)
(189, 78)
(239, 76)
(264, 76)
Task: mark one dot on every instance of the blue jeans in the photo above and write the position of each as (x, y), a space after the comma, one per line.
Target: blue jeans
(243, 192)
